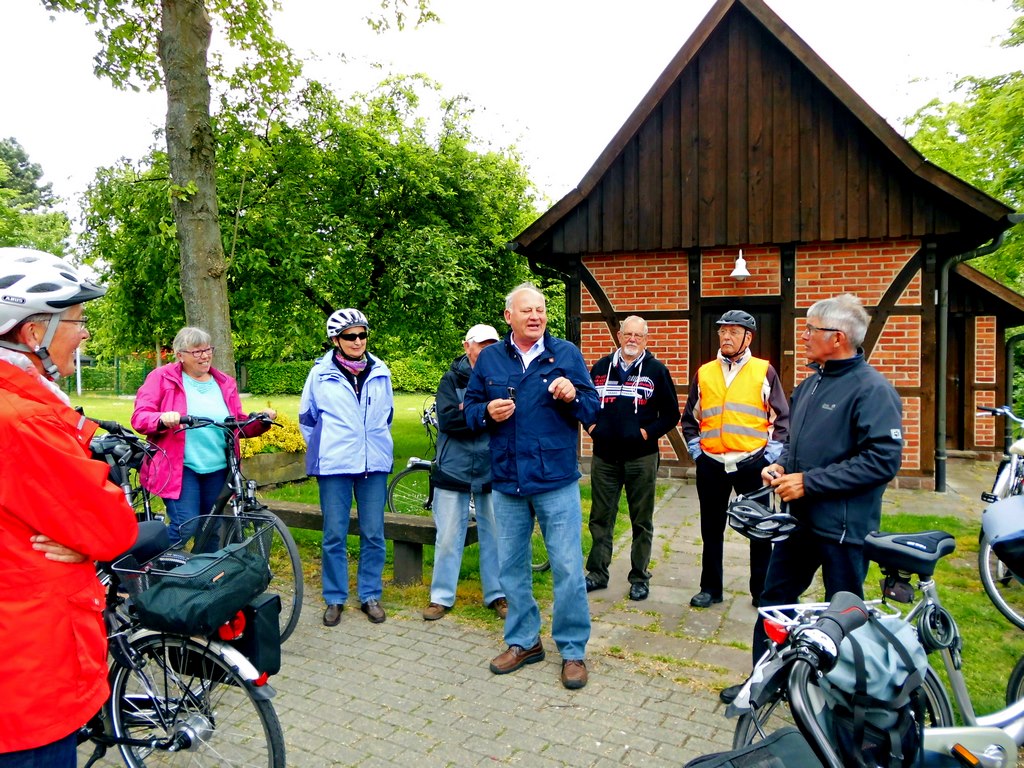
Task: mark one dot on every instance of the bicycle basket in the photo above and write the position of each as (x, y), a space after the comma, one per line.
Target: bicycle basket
(756, 516)
(193, 594)
(1003, 523)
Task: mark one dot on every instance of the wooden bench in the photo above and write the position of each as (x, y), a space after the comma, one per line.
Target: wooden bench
(408, 533)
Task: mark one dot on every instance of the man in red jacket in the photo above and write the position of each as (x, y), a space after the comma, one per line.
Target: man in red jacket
(58, 513)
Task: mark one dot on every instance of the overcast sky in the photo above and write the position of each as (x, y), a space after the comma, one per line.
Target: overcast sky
(555, 77)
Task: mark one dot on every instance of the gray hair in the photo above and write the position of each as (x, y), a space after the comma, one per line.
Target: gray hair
(634, 317)
(844, 312)
(523, 287)
(189, 337)
(40, 317)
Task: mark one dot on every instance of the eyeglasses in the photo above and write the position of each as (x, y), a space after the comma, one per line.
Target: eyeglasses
(200, 353)
(732, 331)
(812, 328)
(80, 323)
(632, 335)
(353, 336)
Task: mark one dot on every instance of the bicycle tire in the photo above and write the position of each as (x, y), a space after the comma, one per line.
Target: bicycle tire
(1003, 587)
(409, 492)
(1015, 686)
(775, 714)
(180, 686)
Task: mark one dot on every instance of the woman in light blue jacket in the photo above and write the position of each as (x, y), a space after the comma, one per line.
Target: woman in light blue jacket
(345, 415)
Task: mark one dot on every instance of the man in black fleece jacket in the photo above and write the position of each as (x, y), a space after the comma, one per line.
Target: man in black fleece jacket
(638, 405)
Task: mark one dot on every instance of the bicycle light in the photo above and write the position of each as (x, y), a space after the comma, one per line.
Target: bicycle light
(233, 628)
(777, 633)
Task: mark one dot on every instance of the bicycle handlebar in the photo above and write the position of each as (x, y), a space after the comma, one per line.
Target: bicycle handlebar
(1002, 410)
(229, 424)
(844, 614)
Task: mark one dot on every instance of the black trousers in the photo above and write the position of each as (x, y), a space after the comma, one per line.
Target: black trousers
(714, 486)
(607, 479)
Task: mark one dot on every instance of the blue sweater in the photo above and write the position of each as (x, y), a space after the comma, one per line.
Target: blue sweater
(535, 451)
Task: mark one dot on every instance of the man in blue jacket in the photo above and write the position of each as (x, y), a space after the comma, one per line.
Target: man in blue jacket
(845, 444)
(530, 392)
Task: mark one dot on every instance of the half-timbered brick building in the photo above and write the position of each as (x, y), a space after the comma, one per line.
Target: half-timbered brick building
(749, 142)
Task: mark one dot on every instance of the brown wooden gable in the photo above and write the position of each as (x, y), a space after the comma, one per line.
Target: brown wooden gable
(748, 137)
(975, 293)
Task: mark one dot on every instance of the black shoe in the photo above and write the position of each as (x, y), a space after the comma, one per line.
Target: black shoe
(728, 695)
(638, 591)
(373, 610)
(593, 584)
(704, 599)
(332, 616)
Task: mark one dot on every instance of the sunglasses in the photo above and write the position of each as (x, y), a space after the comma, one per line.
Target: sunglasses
(353, 336)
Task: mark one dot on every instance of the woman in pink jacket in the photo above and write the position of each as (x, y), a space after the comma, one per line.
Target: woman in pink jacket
(190, 471)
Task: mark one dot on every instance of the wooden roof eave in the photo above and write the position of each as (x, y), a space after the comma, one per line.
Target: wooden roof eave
(1001, 292)
(901, 149)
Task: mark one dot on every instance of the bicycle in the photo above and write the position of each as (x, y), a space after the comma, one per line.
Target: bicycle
(411, 492)
(125, 452)
(239, 499)
(1003, 587)
(991, 739)
(177, 699)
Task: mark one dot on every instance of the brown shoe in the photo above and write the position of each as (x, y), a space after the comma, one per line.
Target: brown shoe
(435, 611)
(332, 616)
(500, 607)
(574, 673)
(373, 610)
(515, 657)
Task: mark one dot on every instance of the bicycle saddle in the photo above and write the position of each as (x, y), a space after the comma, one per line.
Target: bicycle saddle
(916, 553)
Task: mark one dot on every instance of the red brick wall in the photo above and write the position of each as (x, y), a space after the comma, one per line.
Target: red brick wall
(985, 426)
(866, 269)
(911, 433)
(637, 283)
(985, 350)
(763, 264)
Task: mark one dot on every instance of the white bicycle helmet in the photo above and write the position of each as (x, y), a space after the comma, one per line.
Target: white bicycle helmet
(34, 282)
(343, 319)
(749, 516)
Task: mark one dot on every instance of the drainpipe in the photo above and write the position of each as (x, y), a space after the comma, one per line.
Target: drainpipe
(942, 361)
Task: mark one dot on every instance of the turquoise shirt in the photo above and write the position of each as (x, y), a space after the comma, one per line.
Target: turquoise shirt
(204, 447)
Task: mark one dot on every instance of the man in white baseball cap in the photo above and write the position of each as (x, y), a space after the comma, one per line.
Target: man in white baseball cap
(462, 471)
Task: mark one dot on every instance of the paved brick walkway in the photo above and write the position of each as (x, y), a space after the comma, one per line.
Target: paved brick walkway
(413, 693)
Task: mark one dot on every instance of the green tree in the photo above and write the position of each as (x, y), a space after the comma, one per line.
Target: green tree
(980, 138)
(27, 217)
(387, 203)
(166, 44)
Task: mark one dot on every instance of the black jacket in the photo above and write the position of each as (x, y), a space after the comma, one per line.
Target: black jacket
(463, 457)
(845, 435)
(647, 399)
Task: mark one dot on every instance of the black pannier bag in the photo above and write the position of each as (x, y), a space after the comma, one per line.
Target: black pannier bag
(785, 748)
(195, 594)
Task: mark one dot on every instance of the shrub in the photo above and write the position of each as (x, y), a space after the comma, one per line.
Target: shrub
(274, 378)
(283, 439)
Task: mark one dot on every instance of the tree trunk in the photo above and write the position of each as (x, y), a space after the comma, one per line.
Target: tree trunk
(191, 151)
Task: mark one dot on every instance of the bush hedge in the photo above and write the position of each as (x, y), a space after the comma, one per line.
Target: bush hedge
(261, 377)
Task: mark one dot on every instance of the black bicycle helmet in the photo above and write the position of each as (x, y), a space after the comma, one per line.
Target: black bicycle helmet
(750, 516)
(738, 317)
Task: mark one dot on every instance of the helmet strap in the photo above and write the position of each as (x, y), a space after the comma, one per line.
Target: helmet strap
(41, 350)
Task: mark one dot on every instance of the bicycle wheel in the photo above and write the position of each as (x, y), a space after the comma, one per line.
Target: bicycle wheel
(285, 575)
(409, 492)
(540, 551)
(1015, 687)
(775, 714)
(1003, 587)
(187, 693)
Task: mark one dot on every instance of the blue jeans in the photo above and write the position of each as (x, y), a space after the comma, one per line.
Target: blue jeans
(561, 520)
(793, 565)
(57, 754)
(451, 516)
(199, 492)
(335, 503)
